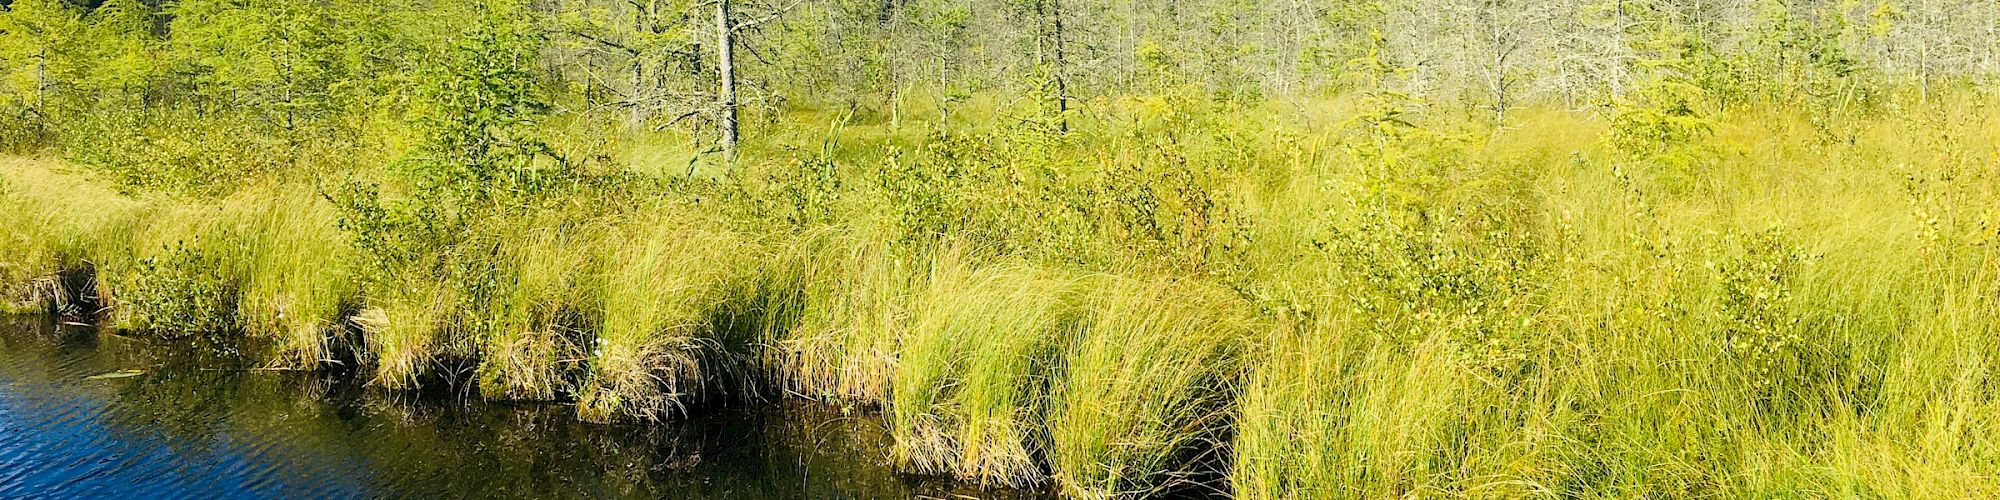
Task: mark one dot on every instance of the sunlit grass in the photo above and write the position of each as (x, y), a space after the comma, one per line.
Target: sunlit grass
(657, 350)
(1144, 394)
(972, 375)
(1183, 297)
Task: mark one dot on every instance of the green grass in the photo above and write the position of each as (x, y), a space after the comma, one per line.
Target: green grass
(972, 373)
(300, 282)
(409, 330)
(1145, 389)
(545, 308)
(56, 220)
(658, 349)
(843, 346)
(1178, 296)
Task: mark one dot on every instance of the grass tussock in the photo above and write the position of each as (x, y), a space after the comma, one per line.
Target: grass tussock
(409, 332)
(843, 346)
(538, 344)
(1144, 397)
(972, 374)
(300, 284)
(658, 349)
(57, 221)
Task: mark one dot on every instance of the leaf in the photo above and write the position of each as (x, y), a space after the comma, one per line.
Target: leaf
(116, 375)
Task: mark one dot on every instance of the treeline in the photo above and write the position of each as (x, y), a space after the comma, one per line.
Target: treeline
(301, 71)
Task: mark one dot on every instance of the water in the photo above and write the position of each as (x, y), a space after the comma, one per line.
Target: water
(196, 424)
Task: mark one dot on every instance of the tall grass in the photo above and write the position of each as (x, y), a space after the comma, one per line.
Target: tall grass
(1179, 297)
(1732, 330)
(1143, 401)
(546, 309)
(56, 221)
(843, 346)
(972, 374)
(409, 331)
(300, 284)
(658, 348)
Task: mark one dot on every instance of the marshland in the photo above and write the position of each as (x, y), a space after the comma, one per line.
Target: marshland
(1019, 248)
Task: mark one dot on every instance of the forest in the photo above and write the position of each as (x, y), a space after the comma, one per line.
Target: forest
(1280, 249)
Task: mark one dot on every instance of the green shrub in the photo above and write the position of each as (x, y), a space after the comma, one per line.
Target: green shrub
(185, 290)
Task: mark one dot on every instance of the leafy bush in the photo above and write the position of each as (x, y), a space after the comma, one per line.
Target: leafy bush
(187, 290)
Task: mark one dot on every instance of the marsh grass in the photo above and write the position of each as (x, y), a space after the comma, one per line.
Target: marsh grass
(408, 331)
(58, 221)
(658, 349)
(1143, 401)
(972, 375)
(842, 348)
(1178, 296)
(299, 285)
(547, 311)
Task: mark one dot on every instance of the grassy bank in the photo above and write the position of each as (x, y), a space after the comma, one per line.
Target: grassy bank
(1317, 302)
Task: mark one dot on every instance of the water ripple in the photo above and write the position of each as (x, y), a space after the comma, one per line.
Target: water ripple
(179, 431)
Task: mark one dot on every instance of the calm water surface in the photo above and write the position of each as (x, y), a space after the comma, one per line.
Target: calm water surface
(195, 424)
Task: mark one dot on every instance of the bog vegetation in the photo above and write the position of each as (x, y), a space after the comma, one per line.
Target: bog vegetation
(1433, 248)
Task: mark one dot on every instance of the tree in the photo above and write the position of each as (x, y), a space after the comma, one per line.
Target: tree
(652, 58)
(725, 66)
(40, 45)
(728, 33)
(127, 57)
(277, 60)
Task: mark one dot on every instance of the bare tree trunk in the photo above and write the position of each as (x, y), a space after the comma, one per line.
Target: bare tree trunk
(635, 108)
(895, 102)
(725, 55)
(42, 85)
(1062, 84)
(889, 18)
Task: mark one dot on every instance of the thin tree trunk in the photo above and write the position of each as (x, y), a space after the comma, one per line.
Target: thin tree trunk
(1062, 84)
(41, 79)
(634, 113)
(725, 55)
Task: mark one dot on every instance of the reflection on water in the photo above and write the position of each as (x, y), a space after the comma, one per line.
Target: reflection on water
(203, 425)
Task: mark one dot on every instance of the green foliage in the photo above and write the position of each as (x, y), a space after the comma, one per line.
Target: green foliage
(186, 290)
(980, 349)
(1660, 122)
(174, 153)
(477, 114)
(807, 194)
(1129, 248)
(38, 59)
(1788, 362)
(476, 118)
(1146, 382)
(124, 51)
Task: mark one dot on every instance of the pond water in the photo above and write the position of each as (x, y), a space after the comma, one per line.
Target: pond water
(90, 413)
